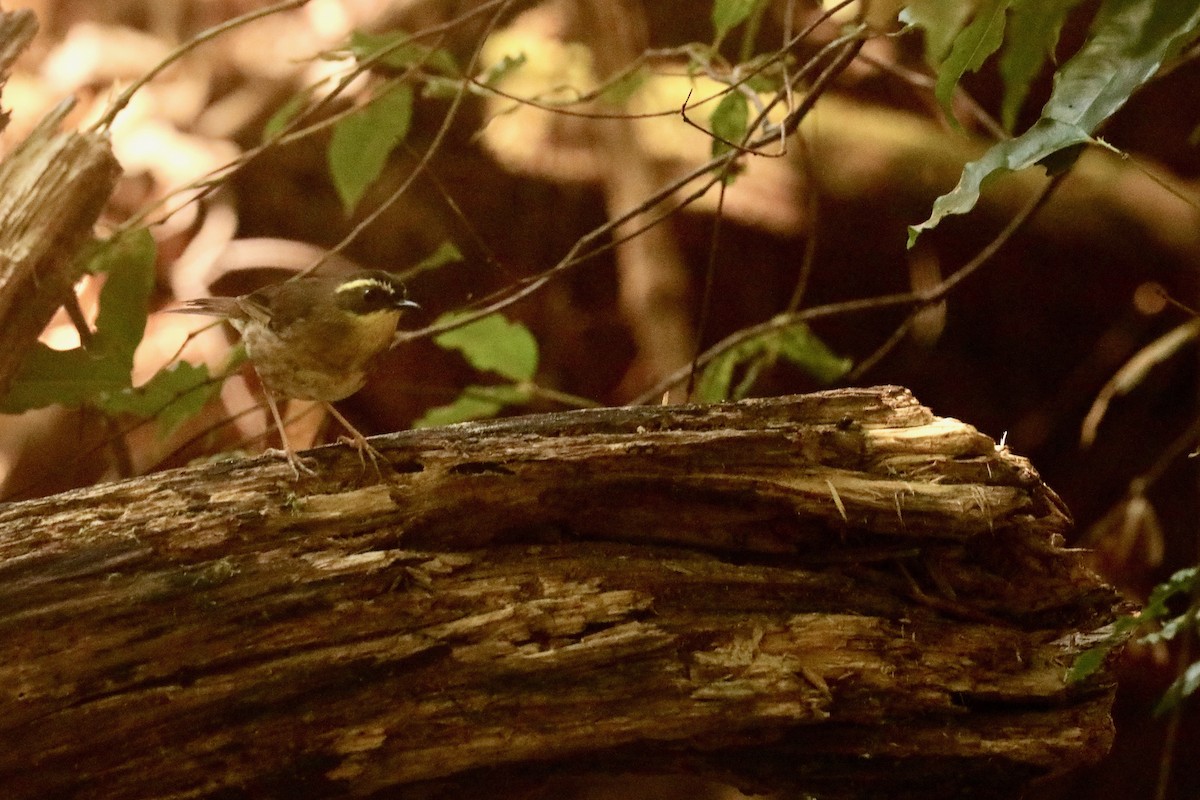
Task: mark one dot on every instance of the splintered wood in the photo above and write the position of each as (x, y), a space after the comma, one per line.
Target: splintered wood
(837, 593)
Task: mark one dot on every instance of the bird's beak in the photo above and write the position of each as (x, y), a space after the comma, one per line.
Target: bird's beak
(406, 304)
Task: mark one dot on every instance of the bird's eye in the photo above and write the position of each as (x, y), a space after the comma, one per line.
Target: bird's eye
(374, 295)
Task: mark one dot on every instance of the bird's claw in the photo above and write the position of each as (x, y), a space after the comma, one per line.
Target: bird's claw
(295, 461)
(364, 450)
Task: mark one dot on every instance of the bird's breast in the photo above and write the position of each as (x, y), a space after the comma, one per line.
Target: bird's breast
(319, 359)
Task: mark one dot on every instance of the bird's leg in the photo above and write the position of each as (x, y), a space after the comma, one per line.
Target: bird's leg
(357, 441)
(294, 461)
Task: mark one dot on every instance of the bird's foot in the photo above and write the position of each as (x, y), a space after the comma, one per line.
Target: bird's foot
(365, 451)
(295, 461)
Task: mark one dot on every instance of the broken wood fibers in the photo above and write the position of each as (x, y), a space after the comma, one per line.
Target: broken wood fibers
(837, 593)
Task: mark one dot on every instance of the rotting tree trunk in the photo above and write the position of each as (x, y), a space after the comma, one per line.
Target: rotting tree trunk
(53, 186)
(837, 593)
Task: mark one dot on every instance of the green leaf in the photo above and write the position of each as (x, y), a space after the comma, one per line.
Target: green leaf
(493, 344)
(1182, 582)
(1182, 688)
(626, 86)
(1045, 137)
(284, 115)
(501, 69)
(729, 120)
(173, 395)
(81, 376)
(475, 402)
(398, 51)
(728, 14)
(940, 21)
(128, 261)
(362, 142)
(65, 377)
(1128, 42)
(801, 346)
(972, 47)
(1033, 31)
(796, 343)
(447, 253)
(717, 379)
(1090, 660)
(1173, 627)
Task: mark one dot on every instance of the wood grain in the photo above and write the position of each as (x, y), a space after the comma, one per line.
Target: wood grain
(837, 593)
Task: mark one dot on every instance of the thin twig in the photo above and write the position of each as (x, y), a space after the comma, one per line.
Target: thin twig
(426, 157)
(710, 272)
(881, 352)
(75, 314)
(579, 253)
(922, 81)
(921, 298)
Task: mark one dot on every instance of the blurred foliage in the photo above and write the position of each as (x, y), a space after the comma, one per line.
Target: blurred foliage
(795, 343)
(1172, 611)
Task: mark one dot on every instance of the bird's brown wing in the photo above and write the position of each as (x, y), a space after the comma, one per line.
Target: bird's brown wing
(282, 304)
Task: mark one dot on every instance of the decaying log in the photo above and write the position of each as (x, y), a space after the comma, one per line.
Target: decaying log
(53, 186)
(837, 593)
(17, 29)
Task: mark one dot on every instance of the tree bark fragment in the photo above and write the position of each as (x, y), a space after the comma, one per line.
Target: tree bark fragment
(836, 593)
(53, 186)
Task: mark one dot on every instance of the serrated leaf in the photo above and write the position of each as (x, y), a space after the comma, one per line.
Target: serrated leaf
(1092, 659)
(475, 402)
(362, 142)
(173, 395)
(493, 344)
(1033, 31)
(1128, 42)
(982, 36)
(1172, 628)
(399, 51)
(728, 14)
(728, 121)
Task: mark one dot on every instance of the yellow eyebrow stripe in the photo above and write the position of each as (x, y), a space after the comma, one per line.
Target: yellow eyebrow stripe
(359, 283)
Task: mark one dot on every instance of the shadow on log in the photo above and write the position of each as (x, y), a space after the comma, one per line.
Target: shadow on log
(836, 593)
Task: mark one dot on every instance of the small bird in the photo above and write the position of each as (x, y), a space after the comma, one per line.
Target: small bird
(313, 338)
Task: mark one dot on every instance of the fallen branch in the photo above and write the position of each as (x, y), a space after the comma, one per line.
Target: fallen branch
(836, 593)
